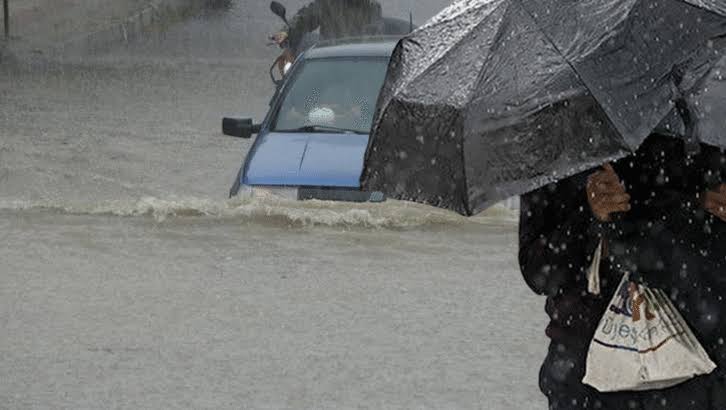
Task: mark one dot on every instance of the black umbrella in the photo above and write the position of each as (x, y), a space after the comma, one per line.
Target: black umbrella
(494, 98)
(704, 117)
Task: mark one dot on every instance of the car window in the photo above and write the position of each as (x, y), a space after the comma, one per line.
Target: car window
(339, 92)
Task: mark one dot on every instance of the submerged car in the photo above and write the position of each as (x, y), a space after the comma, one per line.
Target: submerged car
(313, 139)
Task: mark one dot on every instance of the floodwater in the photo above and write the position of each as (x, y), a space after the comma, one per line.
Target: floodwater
(129, 280)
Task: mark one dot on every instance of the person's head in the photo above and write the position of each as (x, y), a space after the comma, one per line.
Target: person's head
(280, 38)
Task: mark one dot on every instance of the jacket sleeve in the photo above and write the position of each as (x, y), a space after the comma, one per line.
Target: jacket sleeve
(679, 238)
(715, 175)
(305, 21)
(557, 236)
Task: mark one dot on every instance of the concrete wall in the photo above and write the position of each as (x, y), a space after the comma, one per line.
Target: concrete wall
(154, 16)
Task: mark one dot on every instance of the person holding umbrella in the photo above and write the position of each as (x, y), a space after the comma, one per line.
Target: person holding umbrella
(671, 205)
(496, 98)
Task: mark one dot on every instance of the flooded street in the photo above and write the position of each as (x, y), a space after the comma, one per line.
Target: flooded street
(129, 280)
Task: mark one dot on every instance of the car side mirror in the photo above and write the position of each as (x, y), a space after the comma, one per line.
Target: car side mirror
(240, 128)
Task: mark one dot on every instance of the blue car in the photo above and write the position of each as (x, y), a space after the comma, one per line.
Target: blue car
(312, 141)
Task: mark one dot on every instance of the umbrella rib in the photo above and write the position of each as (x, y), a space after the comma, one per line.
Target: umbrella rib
(574, 70)
(466, 201)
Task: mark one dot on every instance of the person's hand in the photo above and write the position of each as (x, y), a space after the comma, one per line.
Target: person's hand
(279, 38)
(606, 193)
(715, 202)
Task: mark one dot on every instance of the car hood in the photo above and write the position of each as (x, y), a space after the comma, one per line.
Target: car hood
(307, 159)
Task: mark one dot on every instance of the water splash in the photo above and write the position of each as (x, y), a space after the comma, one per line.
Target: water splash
(390, 215)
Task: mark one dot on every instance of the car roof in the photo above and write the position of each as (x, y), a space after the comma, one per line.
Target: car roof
(360, 47)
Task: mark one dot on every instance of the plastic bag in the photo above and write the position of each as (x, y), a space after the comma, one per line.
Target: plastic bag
(642, 343)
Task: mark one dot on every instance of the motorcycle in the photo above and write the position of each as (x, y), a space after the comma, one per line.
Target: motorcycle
(284, 61)
(386, 26)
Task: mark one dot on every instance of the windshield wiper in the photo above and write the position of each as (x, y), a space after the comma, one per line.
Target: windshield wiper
(324, 128)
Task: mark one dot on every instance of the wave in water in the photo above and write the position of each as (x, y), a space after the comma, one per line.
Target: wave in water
(391, 214)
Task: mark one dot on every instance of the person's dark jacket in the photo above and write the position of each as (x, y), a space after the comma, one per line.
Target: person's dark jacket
(667, 239)
(334, 18)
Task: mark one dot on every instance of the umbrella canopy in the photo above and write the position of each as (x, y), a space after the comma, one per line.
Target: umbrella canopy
(494, 98)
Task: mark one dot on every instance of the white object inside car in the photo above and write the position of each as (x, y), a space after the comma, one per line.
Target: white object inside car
(321, 116)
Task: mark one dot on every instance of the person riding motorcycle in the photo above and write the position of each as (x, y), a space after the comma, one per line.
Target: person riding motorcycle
(335, 19)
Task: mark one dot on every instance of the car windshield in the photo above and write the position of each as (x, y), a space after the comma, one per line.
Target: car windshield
(332, 95)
